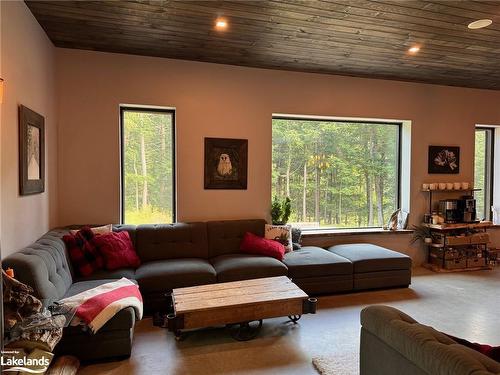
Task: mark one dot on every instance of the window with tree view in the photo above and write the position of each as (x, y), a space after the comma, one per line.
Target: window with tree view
(148, 170)
(338, 174)
(483, 172)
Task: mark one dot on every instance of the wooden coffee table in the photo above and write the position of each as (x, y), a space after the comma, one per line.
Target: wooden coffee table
(240, 305)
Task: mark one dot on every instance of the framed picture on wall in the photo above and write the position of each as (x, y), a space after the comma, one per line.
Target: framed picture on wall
(31, 152)
(444, 160)
(226, 163)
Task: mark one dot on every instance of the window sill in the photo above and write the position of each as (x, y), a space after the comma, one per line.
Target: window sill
(350, 232)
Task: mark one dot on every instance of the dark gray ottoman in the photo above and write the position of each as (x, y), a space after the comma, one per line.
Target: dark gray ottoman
(318, 271)
(374, 266)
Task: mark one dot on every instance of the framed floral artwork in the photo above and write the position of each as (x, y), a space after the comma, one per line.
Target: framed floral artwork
(444, 160)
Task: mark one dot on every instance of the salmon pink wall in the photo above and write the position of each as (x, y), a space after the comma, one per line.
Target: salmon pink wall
(28, 68)
(235, 102)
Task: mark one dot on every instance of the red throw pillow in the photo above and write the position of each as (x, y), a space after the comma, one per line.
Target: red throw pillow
(490, 351)
(117, 249)
(252, 244)
(83, 252)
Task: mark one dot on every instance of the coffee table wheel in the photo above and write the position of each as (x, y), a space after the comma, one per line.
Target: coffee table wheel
(179, 336)
(294, 318)
(246, 330)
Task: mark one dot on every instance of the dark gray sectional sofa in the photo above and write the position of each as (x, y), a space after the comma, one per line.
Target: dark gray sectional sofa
(187, 254)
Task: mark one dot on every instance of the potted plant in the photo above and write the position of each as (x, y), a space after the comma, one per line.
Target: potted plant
(422, 233)
(280, 210)
(279, 231)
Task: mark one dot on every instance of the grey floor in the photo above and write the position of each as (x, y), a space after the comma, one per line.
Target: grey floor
(462, 304)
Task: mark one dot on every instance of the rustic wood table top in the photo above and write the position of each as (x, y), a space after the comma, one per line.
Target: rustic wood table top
(236, 294)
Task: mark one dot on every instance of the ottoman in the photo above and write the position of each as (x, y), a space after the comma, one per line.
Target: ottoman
(375, 267)
(318, 271)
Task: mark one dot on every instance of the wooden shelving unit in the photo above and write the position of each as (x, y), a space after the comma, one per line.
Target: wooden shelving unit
(459, 247)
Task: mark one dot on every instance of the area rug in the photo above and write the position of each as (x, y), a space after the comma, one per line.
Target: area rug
(346, 363)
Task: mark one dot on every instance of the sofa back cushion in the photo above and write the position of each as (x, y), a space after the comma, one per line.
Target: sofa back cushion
(44, 265)
(131, 229)
(224, 237)
(171, 241)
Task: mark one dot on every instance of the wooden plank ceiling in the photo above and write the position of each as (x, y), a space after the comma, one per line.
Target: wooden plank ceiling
(346, 37)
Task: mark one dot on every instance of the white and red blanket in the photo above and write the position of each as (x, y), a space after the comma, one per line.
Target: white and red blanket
(94, 307)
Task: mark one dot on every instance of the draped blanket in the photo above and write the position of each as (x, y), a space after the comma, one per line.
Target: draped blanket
(96, 306)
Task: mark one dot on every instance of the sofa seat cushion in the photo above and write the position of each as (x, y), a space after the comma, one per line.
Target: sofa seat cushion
(128, 273)
(123, 320)
(312, 261)
(82, 286)
(371, 258)
(233, 267)
(165, 275)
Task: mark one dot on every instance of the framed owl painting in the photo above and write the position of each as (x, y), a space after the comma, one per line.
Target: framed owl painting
(226, 163)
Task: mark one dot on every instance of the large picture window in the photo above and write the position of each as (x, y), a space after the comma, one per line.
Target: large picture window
(483, 172)
(148, 165)
(338, 174)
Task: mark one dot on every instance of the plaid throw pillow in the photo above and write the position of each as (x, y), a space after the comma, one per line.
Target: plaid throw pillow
(83, 252)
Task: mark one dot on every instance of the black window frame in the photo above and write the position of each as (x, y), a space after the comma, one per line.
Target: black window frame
(146, 109)
(489, 160)
(399, 125)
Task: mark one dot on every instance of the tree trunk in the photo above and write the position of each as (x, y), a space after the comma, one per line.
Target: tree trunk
(317, 195)
(288, 167)
(369, 182)
(144, 173)
(304, 194)
(163, 174)
(379, 191)
(369, 202)
(136, 173)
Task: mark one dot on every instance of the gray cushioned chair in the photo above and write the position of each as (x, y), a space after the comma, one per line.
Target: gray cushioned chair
(392, 343)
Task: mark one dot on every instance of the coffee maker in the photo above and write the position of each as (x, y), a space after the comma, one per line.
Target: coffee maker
(467, 207)
(450, 211)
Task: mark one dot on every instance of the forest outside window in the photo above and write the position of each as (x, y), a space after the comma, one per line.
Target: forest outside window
(148, 165)
(337, 173)
(483, 171)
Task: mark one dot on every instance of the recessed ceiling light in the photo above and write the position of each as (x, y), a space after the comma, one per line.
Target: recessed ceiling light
(220, 24)
(479, 24)
(414, 49)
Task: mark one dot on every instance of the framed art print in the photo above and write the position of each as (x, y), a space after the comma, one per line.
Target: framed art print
(444, 160)
(226, 163)
(31, 152)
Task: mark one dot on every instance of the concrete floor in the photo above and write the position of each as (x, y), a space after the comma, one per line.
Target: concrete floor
(462, 304)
